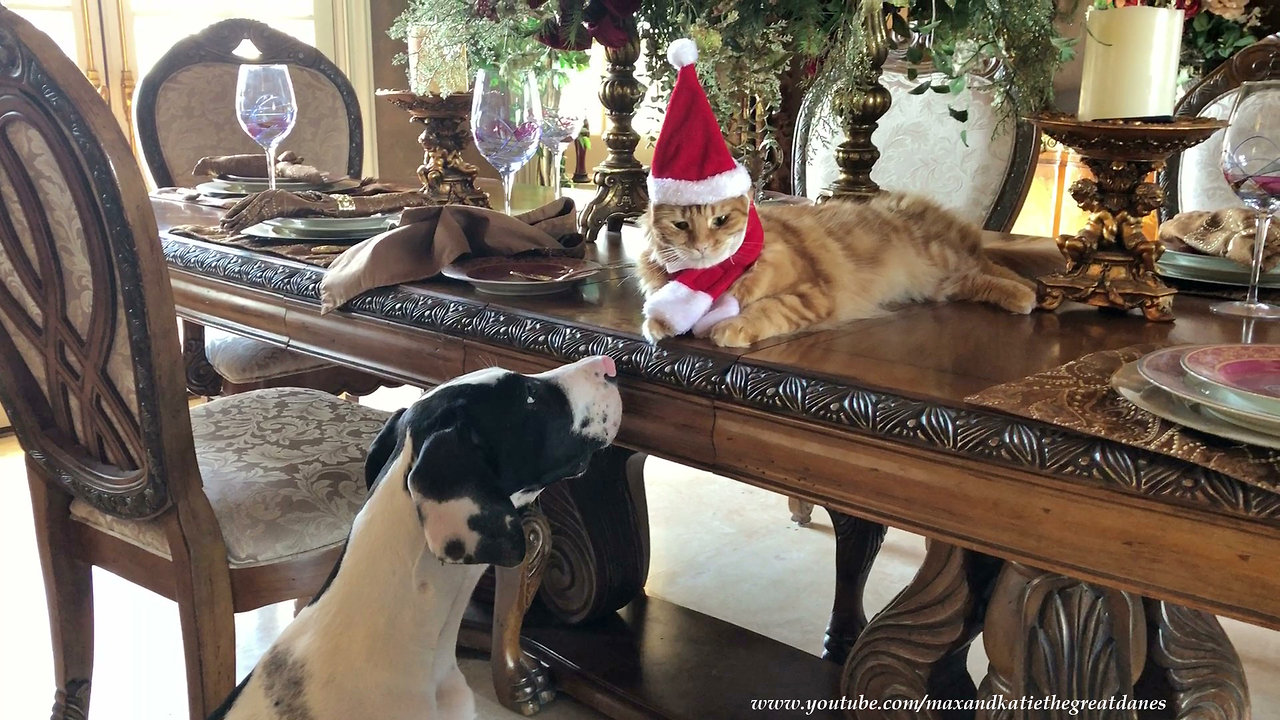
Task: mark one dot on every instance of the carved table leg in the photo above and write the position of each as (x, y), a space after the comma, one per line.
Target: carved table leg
(521, 683)
(801, 510)
(600, 538)
(917, 645)
(621, 179)
(1192, 665)
(202, 379)
(857, 544)
(1050, 635)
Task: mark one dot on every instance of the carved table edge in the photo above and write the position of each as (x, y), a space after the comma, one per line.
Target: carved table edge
(962, 431)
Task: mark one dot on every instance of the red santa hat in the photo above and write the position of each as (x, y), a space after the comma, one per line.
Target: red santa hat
(691, 162)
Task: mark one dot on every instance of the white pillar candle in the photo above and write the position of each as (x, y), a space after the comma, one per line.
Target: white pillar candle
(435, 68)
(1130, 62)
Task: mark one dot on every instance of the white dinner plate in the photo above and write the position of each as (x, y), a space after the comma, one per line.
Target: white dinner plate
(1135, 388)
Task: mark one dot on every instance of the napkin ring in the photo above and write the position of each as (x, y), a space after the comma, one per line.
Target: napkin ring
(345, 203)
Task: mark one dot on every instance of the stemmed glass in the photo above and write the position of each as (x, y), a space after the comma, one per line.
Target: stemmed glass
(266, 108)
(560, 123)
(506, 121)
(1251, 166)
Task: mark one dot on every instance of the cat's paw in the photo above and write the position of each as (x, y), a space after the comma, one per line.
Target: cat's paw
(734, 332)
(1022, 301)
(656, 328)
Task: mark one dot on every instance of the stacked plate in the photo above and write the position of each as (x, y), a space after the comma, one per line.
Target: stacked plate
(1210, 269)
(332, 230)
(1228, 390)
(236, 186)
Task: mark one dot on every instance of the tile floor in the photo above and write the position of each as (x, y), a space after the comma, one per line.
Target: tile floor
(767, 575)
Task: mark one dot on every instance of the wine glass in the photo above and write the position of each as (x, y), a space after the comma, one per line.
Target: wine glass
(1251, 166)
(266, 108)
(561, 123)
(506, 121)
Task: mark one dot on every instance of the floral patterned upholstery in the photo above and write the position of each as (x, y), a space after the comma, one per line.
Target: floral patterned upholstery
(283, 469)
(242, 360)
(196, 116)
(921, 150)
(1200, 182)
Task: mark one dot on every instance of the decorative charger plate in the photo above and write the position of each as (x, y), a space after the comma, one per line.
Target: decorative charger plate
(1249, 374)
(1237, 276)
(1163, 368)
(522, 275)
(263, 230)
(324, 228)
(228, 188)
(1140, 391)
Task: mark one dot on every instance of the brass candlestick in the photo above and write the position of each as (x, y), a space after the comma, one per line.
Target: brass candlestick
(1110, 262)
(868, 102)
(446, 178)
(621, 179)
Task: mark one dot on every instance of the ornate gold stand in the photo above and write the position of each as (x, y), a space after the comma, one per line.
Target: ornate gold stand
(446, 177)
(621, 178)
(1110, 262)
(869, 101)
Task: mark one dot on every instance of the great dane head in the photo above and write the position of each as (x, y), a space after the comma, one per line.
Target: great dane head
(489, 441)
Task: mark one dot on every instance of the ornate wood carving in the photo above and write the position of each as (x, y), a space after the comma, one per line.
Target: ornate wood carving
(1048, 635)
(857, 544)
(522, 683)
(621, 178)
(72, 702)
(972, 433)
(599, 556)
(105, 453)
(202, 379)
(917, 645)
(216, 44)
(1195, 666)
(1260, 61)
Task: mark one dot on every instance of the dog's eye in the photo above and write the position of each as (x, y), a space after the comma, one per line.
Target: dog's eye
(681, 225)
(719, 220)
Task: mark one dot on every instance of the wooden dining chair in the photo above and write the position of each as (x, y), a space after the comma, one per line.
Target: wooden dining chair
(984, 179)
(225, 507)
(184, 110)
(1192, 179)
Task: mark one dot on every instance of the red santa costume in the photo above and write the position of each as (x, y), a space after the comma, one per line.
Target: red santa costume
(692, 166)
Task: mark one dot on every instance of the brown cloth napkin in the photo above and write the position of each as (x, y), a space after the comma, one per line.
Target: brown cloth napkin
(270, 204)
(1227, 233)
(1078, 396)
(428, 238)
(288, 166)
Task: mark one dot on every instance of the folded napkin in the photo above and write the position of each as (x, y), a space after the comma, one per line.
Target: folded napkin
(270, 204)
(288, 166)
(428, 238)
(1227, 233)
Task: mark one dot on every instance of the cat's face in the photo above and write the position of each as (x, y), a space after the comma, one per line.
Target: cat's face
(697, 236)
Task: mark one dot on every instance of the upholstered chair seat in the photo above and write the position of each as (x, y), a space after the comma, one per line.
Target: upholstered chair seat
(283, 469)
(244, 360)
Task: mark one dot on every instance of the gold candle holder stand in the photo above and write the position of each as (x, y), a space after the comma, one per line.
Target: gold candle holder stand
(446, 178)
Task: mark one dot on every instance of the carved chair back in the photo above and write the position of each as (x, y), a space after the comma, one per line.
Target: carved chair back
(91, 371)
(185, 106)
(1192, 180)
(921, 151)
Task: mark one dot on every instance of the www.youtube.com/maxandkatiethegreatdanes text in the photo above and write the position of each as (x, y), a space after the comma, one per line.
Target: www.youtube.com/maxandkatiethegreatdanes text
(1051, 703)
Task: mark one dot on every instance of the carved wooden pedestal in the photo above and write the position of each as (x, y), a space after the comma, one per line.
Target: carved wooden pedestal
(857, 544)
(447, 179)
(621, 179)
(1047, 636)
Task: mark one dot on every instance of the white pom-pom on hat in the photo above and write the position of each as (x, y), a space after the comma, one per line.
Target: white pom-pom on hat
(682, 52)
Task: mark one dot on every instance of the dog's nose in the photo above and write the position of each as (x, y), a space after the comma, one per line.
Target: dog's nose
(610, 368)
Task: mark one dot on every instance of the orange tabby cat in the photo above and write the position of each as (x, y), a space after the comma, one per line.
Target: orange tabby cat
(826, 264)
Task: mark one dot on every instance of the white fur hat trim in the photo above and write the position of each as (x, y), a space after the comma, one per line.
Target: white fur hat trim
(682, 52)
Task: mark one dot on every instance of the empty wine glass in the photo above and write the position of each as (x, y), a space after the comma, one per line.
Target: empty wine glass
(266, 108)
(561, 122)
(506, 121)
(1251, 166)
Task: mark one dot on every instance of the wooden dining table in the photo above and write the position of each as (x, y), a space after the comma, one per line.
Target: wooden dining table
(1093, 573)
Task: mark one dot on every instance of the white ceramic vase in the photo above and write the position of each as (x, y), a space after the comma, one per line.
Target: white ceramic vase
(1130, 62)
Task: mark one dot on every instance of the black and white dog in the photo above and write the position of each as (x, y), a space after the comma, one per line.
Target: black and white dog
(445, 476)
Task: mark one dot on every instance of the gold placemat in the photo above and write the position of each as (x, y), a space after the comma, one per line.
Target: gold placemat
(313, 252)
(1078, 396)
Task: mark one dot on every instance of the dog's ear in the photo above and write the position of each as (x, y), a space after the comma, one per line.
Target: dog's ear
(381, 449)
(465, 515)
